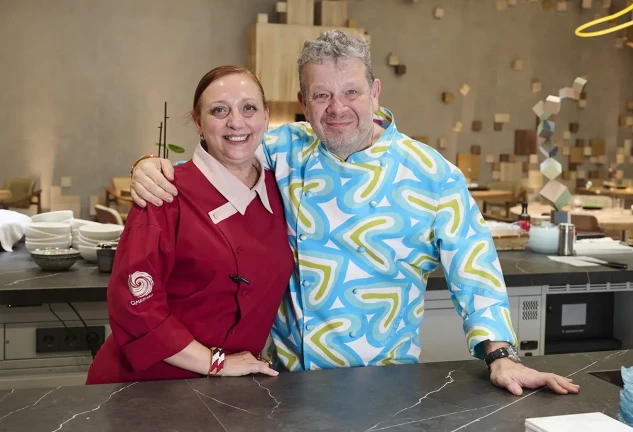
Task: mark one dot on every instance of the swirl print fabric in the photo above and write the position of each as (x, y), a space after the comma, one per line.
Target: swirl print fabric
(366, 234)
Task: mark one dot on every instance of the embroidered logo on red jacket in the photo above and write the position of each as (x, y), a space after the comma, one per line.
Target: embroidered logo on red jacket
(140, 284)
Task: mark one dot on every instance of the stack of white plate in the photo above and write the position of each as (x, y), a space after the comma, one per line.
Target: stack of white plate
(78, 223)
(61, 216)
(91, 235)
(42, 235)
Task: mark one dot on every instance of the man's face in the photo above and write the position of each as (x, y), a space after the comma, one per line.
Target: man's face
(339, 104)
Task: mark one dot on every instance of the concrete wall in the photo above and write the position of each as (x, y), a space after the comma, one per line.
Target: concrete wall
(84, 81)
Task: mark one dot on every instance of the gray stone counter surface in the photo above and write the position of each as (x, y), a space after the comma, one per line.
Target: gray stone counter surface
(456, 396)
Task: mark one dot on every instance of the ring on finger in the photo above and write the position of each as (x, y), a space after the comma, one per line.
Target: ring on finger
(268, 362)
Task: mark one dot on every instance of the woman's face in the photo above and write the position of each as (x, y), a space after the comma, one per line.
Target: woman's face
(232, 119)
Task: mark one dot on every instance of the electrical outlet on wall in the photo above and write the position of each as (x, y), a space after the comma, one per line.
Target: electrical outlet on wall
(65, 182)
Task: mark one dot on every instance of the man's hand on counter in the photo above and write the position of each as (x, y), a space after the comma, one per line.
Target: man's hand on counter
(514, 377)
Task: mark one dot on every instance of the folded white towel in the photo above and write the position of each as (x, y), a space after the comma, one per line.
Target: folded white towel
(12, 228)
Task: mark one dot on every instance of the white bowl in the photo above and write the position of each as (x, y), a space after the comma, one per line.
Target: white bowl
(48, 228)
(61, 245)
(60, 239)
(43, 239)
(77, 223)
(88, 253)
(55, 216)
(81, 238)
(101, 231)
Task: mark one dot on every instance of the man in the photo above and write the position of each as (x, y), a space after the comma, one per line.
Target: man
(371, 213)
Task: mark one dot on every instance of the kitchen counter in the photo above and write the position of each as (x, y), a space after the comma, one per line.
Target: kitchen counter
(455, 396)
(22, 282)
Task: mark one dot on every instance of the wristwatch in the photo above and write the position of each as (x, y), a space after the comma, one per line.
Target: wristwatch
(503, 352)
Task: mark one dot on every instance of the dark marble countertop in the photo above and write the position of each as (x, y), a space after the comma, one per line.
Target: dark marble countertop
(455, 396)
(23, 282)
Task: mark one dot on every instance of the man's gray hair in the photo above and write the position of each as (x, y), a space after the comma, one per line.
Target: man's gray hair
(335, 45)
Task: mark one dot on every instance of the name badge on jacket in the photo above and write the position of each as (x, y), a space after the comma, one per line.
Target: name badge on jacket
(223, 212)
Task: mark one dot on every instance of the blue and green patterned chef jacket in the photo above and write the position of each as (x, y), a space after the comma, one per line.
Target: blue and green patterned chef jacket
(366, 234)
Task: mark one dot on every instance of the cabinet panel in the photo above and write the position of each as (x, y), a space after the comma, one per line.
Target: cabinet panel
(272, 55)
(442, 337)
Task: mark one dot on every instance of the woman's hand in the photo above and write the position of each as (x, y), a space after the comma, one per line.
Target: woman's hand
(244, 363)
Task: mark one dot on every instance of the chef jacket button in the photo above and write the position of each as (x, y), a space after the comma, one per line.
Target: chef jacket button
(305, 283)
(355, 290)
(309, 194)
(383, 163)
(303, 236)
(352, 334)
(361, 249)
(239, 250)
(373, 203)
(308, 327)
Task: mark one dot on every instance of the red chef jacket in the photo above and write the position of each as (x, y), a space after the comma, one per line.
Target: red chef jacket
(172, 277)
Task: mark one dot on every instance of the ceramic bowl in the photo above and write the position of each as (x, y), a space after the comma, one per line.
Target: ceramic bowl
(55, 259)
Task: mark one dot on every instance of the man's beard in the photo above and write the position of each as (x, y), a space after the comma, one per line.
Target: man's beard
(344, 144)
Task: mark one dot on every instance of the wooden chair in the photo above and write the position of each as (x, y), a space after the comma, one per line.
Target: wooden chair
(23, 194)
(119, 194)
(503, 206)
(108, 215)
(587, 226)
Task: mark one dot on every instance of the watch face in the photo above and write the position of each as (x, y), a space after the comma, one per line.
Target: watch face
(513, 354)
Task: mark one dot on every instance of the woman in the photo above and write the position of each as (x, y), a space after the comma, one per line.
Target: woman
(197, 282)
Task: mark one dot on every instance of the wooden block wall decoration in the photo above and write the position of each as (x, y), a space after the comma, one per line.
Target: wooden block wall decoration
(517, 64)
(512, 158)
(629, 105)
(631, 159)
(574, 127)
(561, 6)
(598, 147)
(525, 142)
(619, 159)
(606, 4)
(352, 23)
(502, 5)
(464, 89)
(582, 104)
(602, 159)
(587, 151)
(537, 86)
(619, 174)
(497, 127)
(629, 121)
(504, 158)
(469, 165)
(447, 97)
(438, 13)
(502, 118)
(566, 175)
(533, 159)
(401, 69)
(393, 60)
(577, 155)
(579, 84)
(587, 4)
(566, 151)
(512, 3)
(566, 135)
(525, 167)
(622, 120)
(262, 18)
(567, 93)
(628, 146)
(496, 175)
(547, 4)
(580, 142)
(475, 149)
(332, 13)
(496, 166)
(281, 7)
(458, 127)
(490, 158)
(581, 174)
(442, 143)
(476, 127)
(552, 105)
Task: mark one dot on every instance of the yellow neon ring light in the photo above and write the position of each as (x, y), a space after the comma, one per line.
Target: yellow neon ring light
(579, 30)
